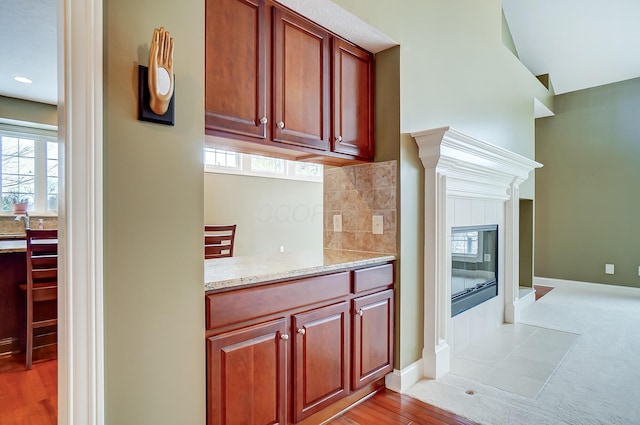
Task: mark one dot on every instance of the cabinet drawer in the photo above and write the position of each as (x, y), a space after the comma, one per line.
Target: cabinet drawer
(227, 308)
(372, 278)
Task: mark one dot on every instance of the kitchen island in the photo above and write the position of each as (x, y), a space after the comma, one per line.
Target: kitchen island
(296, 338)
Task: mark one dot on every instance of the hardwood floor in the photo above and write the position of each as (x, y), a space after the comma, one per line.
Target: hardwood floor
(28, 397)
(390, 408)
(541, 291)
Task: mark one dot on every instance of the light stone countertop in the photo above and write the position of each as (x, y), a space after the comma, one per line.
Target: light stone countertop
(8, 246)
(231, 272)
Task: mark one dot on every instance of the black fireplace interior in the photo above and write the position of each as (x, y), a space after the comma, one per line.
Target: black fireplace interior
(474, 266)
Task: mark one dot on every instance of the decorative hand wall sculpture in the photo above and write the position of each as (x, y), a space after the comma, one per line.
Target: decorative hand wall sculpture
(160, 71)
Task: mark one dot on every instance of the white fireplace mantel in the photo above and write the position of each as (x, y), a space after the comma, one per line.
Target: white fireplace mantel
(460, 166)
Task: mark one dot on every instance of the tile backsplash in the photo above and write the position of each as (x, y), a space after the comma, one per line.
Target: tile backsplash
(9, 226)
(357, 193)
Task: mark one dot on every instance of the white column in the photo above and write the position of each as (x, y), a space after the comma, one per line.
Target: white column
(437, 296)
(512, 255)
(80, 321)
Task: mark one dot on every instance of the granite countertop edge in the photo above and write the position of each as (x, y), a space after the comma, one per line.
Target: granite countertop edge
(239, 276)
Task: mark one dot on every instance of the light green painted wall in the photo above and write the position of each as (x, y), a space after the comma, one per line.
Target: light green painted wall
(526, 243)
(25, 111)
(392, 145)
(269, 212)
(586, 208)
(507, 38)
(153, 269)
(454, 70)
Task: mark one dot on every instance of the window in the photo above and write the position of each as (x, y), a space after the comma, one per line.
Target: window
(28, 168)
(228, 162)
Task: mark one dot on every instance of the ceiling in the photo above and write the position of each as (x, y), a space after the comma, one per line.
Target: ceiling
(28, 48)
(579, 43)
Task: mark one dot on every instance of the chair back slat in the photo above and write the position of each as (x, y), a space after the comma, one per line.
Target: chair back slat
(219, 241)
(42, 280)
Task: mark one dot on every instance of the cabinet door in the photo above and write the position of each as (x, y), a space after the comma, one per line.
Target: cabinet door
(235, 67)
(301, 82)
(372, 337)
(321, 358)
(353, 106)
(246, 375)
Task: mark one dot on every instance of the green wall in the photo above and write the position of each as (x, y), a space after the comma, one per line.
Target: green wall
(153, 267)
(526, 243)
(586, 209)
(453, 70)
(25, 111)
(269, 212)
(507, 38)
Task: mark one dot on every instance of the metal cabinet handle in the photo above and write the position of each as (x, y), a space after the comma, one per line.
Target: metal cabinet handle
(302, 331)
(280, 125)
(264, 120)
(284, 337)
(360, 312)
(338, 139)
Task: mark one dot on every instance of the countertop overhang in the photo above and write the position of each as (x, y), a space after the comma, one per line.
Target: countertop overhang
(231, 272)
(13, 245)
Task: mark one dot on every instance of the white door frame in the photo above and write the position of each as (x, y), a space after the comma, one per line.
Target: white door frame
(80, 319)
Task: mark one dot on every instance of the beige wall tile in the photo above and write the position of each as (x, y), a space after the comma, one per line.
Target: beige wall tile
(357, 193)
(332, 180)
(332, 240)
(365, 200)
(384, 175)
(364, 177)
(385, 198)
(349, 221)
(348, 178)
(365, 242)
(364, 220)
(349, 242)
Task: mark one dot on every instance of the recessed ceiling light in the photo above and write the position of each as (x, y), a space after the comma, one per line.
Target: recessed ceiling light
(23, 80)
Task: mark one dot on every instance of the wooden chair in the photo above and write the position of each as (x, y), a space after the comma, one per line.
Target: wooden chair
(218, 241)
(42, 281)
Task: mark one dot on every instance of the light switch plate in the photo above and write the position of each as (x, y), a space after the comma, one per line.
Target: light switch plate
(377, 224)
(337, 223)
(609, 268)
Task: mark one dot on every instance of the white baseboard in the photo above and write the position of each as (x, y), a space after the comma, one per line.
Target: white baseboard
(523, 302)
(400, 380)
(562, 283)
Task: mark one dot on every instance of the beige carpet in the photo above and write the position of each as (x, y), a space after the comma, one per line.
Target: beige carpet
(597, 382)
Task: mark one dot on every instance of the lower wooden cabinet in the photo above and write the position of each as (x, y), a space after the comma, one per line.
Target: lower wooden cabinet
(246, 375)
(305, 356)
(372, 337)
(321, 358)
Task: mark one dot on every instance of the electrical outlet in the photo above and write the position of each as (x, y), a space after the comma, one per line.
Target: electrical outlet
(377, 224)
(638, 270)
(609, 268)
(281, 248)
(337, 223)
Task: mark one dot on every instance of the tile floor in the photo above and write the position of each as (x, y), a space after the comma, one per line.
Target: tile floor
(515, 358)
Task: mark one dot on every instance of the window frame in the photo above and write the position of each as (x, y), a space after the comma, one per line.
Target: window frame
(41, 137)
(244, 168)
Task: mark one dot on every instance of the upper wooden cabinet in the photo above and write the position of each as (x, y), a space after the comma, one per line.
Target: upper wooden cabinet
(353, 105)
(275, 78)
(300, 81)
(235, 67)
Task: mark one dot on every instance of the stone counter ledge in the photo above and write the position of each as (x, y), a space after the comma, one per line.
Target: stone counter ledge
(221, 273)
